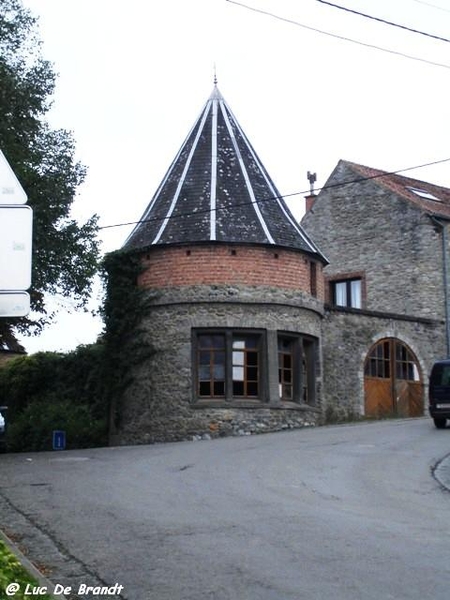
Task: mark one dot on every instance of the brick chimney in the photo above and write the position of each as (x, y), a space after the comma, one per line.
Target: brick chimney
(309, 202)
(310, 199)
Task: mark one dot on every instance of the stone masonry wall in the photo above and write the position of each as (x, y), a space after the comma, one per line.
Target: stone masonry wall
(367, 229)
(347, 339)
(158, 404)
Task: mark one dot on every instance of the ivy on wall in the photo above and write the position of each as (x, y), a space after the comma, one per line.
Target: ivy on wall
(124, 307)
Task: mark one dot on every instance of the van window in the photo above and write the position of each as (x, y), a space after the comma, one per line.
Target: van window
(441, 375)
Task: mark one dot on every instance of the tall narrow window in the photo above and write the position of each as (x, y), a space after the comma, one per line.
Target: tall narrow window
(308, 371)
(378, 363)
(405, 364)
(245, 366)
(286, 347)
(313, 278)
(296, 368)
(211, 365)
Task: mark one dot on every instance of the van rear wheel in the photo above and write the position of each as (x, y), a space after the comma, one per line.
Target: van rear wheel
(440, 422)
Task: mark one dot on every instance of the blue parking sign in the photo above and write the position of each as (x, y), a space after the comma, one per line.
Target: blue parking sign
(59, 440)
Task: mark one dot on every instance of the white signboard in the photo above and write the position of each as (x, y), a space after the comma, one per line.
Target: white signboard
(11, 192)
(14, 304)
(16, 228)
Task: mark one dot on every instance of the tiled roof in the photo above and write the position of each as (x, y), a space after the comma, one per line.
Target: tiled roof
(217, 190)
(433, 199)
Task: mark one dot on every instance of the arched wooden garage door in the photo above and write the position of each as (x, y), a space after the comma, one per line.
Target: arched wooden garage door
(392, 381)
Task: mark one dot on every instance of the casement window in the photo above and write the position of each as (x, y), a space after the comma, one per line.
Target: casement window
(296, 368)
(228, 365)
(287, 361)
(245, 366)
(211, 365)
(347, 292)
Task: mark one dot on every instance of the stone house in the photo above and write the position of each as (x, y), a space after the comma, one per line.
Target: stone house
(250, 326)
(234, 296)
(386, 290)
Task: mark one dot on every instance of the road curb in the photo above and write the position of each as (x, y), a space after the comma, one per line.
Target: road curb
(30, 567)
(441, 472)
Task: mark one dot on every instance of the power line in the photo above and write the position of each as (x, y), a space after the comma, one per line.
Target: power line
(384, 21)
(339, 37)
(259, 201)
(432, 5)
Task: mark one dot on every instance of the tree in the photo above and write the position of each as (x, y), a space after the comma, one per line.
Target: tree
(65, 253)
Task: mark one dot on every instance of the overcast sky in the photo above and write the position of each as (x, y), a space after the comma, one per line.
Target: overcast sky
(134, 76)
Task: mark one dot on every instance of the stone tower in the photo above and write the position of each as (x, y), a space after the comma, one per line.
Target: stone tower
(234, 298)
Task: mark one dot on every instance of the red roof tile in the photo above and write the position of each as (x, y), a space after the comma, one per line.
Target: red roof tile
(403, 186)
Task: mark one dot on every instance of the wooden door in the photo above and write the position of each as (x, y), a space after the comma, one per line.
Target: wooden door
(392, 381)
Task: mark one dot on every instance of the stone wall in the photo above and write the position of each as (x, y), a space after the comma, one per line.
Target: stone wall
(366, 228)
(347, 338)
(159, 403)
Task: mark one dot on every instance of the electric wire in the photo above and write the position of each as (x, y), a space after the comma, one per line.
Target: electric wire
(269, 198)
(432, 5)
(339, 37)
(384, 21)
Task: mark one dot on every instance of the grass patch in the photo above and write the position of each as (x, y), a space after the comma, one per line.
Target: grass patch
(12, 571)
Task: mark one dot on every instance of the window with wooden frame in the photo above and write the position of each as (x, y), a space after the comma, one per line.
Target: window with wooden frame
(228, 364)
(296, 368)
(347, 292)
(245, 360)
(391, 358)
(287, 350)
(211, 365)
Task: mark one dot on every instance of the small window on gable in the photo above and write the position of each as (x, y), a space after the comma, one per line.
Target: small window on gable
(423, 194)
(347, 292)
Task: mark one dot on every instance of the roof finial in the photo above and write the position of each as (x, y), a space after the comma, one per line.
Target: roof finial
(215, 75)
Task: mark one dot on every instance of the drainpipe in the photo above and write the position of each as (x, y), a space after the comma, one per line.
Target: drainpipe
(443, 229)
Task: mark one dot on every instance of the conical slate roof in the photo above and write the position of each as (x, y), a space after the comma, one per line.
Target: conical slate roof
(217, 190)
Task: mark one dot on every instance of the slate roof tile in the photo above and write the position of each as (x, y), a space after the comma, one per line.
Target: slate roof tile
(217, 190)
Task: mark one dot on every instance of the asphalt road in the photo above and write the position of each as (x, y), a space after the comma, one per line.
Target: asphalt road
(333, 513)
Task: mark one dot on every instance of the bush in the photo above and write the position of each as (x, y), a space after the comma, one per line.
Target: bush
(33, 428)
(50, 391)
(11, 571)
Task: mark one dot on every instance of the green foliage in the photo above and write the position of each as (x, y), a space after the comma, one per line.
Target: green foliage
(65, 254)
(123, 298)
(32, 429)
(123, 309)
(48, 391)
(11, 571)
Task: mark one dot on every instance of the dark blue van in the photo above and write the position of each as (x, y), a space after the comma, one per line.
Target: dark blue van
(439, 393)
